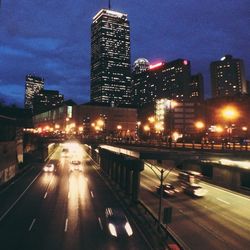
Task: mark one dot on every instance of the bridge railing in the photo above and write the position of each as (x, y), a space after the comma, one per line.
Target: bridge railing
(232, 146)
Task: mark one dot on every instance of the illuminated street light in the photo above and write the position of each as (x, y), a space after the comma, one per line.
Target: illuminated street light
(244, 128)
(230, 113)
(146, 128)
(151, 119)
(119, 127)
(218, 129)
(199, 125)
(159, 127)
(100, 123)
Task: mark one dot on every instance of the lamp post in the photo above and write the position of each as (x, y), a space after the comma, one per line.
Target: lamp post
(119, 128)
(200, 127)
(159, 173)
(146, 129)
(230, 114)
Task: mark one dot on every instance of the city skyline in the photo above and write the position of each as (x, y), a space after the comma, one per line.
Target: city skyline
(58, 48)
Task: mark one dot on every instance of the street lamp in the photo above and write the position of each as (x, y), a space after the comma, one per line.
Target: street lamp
(159, 173)
(199, 125)
(151, 119)
(230, 114)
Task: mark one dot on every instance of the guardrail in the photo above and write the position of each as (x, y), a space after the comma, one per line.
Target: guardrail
(229, 147)
(167, 231)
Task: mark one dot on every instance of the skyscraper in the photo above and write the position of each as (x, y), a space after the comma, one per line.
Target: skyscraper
(45, 100)
(228, 77)
(33, 85)
(110, 58)
(162, 80)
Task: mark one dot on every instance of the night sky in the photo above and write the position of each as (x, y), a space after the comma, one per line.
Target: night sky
(51, 38)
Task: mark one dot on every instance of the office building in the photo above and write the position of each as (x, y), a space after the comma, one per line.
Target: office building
(169, 80)
(110, 58)
(196, 88)
(46, 100)
(228, 77)
(33, 85)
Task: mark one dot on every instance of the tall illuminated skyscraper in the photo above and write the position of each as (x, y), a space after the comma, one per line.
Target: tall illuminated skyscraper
(33, 85)
(110, 58)
(228, 77)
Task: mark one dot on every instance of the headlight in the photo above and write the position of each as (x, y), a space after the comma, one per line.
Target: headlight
(45, 169)
(128, 229)
(112, 230)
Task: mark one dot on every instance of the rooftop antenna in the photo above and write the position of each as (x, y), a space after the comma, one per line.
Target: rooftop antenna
(109, 5)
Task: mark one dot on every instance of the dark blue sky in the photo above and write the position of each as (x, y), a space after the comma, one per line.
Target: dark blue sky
(51, 38)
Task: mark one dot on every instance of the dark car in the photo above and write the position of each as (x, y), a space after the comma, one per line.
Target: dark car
(195, 190)
(168, 190)
(76, 165)
(117, 223)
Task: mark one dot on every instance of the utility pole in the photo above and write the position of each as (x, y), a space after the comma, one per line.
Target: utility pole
(109, 5)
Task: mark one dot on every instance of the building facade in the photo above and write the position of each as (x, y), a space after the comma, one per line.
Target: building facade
(89, 120)
(228, 77)
(46, 99)
(33, 85)
(171, 80)
(196, 88)
(110, 58)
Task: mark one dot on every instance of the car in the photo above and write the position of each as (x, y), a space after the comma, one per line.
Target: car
(195, 190)
(65, 152)
(49, 167)
(76, 165)
(168, 190)
(117, 223)
(75, 162)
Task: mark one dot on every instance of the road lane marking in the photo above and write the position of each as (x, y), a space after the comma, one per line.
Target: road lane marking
(92, 195)
(22, 194)
(45, 195)
(219, 199)
(100, 223)
(66, 225)
(31, 225)
(239, 195)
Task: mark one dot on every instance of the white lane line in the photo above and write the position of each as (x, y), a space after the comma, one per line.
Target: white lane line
(100, 223)
(219, 199)
(31, 225)
(66, 225)
(92, 195)
(45, 195)
(238, 195)
(22, 194)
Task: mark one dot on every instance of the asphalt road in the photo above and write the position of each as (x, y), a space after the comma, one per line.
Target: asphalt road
(60, 210)
(220, 220)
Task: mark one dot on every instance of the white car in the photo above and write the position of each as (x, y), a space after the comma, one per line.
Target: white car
(49, 167)
(117, 223)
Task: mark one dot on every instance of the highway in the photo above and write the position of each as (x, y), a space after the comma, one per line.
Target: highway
(220, 220)
(60, 210)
